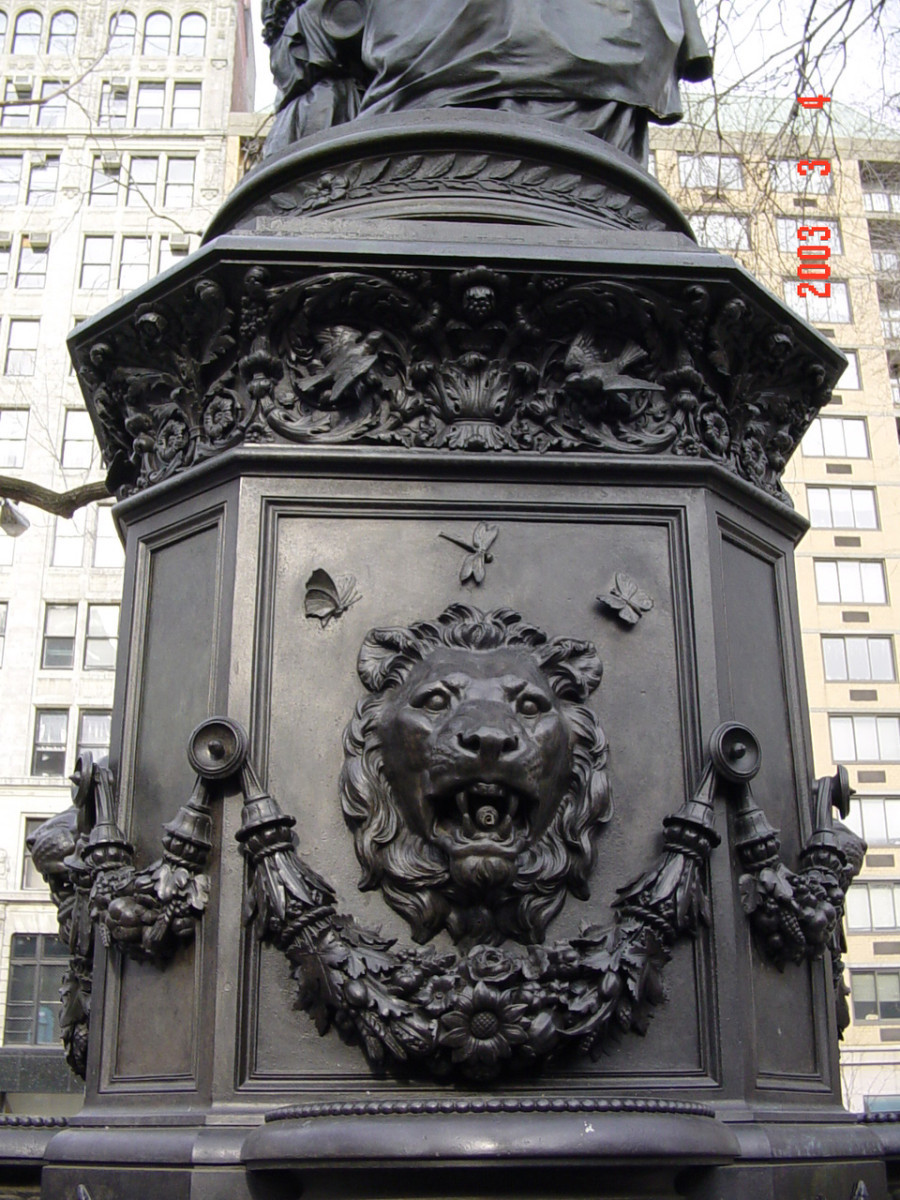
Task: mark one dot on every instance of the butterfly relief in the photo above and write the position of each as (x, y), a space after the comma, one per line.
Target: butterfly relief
(626, 599)
(328, 598)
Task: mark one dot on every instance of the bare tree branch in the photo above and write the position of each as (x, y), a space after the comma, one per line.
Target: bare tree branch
(60, 504)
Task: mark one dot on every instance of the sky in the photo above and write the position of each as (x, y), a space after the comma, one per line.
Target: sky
(756, 45)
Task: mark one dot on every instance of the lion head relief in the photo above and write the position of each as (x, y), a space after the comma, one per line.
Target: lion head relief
(474, 776)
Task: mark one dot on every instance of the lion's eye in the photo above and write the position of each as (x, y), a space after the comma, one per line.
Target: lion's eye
(530, 705)
(433, 701)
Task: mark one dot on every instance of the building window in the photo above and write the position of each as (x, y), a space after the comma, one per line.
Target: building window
(881, 186)
(890, 319)
(2, 29)
(142, 173)
(884, 238)
(819, 309)
(876, 995)
(96, 262)
(876, 819)
(50, 731)
(93, 733)
(107, 547)
(4, 610)
(31, 876)
(787, 230)
(122, 33)
(104, 182)
(151, 100)
(113, 112)
(63, 29)
(68, 541)
(784, 176)
(850, 380)
(850, 581)
(886, 260)
(134, 264)
(192, 36)
(842, 508)
(13, 432)
(58, 648)
(10, 178)
(873, 907)
(21, 347)
(865, 739)
(836, 437)
(52, 108)
(722, 231)
(858, 659)
(186, 106)
(27, 33)
(101, 639)
(179, 191)
(16, 106)
(157, 34)
(42, 180)
(171, 253)
(32, 269)
(37, 964)
(78, 440)
(4, 263)
(710, 171)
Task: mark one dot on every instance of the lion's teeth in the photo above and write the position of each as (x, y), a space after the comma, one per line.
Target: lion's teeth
(493, 790)
(462, 803)
(513, 805)
(505, 826)
(468, 825)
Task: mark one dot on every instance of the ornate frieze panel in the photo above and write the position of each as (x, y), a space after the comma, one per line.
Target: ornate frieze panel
(461, 361)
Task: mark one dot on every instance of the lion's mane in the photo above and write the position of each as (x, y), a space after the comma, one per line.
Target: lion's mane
(412, 872)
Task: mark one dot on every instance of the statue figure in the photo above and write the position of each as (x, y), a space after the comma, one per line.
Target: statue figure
(604, 66)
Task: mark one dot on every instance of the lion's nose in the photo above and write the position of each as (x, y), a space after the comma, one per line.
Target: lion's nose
(488, 742)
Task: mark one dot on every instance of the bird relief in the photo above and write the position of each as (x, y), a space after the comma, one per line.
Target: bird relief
(598, 379)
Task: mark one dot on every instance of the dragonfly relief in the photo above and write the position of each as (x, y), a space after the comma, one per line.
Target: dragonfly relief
(477, 551)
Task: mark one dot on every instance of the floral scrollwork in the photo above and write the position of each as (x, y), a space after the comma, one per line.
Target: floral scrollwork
(469, 360)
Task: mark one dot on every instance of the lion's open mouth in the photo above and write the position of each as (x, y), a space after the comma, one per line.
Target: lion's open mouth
(481, 810)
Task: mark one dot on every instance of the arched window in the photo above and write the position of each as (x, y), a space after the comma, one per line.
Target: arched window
(192, 35)
(27, 35)
(157, 34)
(122, 33)
(2, 29)
(63, 28)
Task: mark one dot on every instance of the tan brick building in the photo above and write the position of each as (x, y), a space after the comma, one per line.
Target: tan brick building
(113, 158)
(745, 196)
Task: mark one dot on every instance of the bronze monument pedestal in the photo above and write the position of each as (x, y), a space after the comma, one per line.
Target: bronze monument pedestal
(447, 418)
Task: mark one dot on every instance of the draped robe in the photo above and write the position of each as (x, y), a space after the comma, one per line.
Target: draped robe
(607, 66)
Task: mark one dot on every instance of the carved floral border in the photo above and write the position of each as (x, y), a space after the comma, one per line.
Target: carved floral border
(468, 360)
